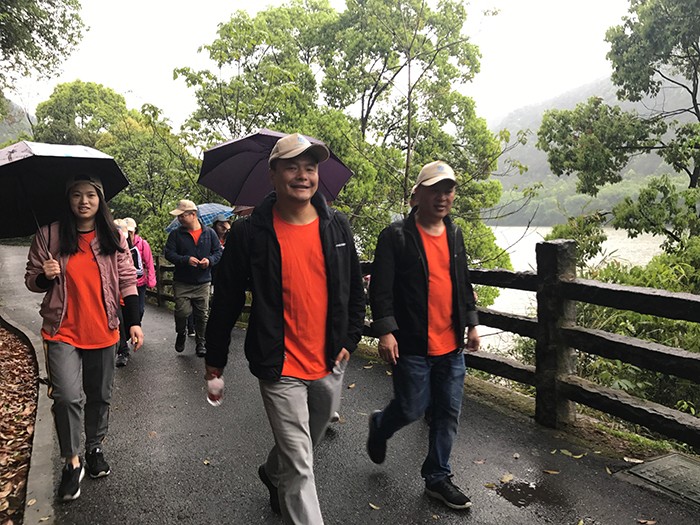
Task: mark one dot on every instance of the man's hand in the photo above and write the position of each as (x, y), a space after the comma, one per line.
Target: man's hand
(473, 340)
(210, 372)
(343, 355)
(388, 348)
(193, 261)
(204, 263)
(136, 336)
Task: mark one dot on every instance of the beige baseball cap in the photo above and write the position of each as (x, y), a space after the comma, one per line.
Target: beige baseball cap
(294, 145)
(183, 206)
(130, 224)
(434, 172)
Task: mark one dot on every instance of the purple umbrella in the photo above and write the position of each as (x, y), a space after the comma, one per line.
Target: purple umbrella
(238, 171)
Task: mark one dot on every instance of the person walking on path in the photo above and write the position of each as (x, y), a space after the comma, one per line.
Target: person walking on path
(297, 256)
(145, 277)
(422, 300)
(193, 248)
(83, 270)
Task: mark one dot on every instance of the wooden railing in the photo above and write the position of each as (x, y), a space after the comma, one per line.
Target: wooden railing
(557, 337)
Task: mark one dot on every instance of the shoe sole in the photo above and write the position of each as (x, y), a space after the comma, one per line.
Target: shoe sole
(73, 497)
(100, 474)
(438, 496)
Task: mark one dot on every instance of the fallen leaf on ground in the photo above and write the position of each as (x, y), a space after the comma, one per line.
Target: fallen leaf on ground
(375, 507)
(152, 434)
(45, 518)
(580, 522)
(388, 372)
(479, 461)
(566, 452)
(516, 456)
(31, 502)
(435, 517)
(553, 451)
(206, 462)
(578, 456)
(507, 477)
(490, 485)
(607, 469)
(633, 460)
(646, 522)
(351, 385)
(551, 471)
(367, 367)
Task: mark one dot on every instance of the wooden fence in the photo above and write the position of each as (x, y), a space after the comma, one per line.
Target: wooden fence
(557, 337)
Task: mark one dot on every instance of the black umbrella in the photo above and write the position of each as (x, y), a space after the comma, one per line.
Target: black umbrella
(33, 180)
(238, 171)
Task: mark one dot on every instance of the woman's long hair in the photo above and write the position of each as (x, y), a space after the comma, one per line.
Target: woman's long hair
(107, 234)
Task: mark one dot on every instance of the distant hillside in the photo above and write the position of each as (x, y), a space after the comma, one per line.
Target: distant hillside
(14, 125)
(558, 199)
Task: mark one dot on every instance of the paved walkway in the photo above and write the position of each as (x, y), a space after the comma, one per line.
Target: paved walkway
(175, 459)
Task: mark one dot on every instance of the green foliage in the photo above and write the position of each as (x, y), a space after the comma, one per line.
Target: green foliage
(157, 163)
(35, 36)
(587, 231)
(655, 47)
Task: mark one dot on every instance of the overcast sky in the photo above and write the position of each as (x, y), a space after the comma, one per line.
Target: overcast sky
(531, 51)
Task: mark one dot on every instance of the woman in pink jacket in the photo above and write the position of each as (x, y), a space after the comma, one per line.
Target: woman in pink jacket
(147, 279)
(82, 265)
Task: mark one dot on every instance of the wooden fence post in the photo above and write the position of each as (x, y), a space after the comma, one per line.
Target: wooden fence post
(159, 282)
(556, 261)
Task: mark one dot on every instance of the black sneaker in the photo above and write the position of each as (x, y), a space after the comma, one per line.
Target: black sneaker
(180, 342)
(122, 359)
(191, 332)
(449, 493)
(201, 350)
(69, 489)
(96, 464)
(274, 497)
(376, 447)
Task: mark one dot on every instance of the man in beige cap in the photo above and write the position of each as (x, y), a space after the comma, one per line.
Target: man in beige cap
(193, 249)
(298, 258)
(422, 301)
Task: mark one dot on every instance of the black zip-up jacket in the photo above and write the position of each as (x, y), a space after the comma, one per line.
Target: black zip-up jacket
(180, 247)
(252, 261)
(398, 289)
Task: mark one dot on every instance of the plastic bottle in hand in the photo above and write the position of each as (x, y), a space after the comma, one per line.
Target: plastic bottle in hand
(215, 390)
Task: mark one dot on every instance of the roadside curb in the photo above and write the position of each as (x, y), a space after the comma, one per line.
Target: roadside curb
(40, 479)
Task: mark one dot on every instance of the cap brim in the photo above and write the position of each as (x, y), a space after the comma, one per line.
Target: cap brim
(433, 181)
(318, 151)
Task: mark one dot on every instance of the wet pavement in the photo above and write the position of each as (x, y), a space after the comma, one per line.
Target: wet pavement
(176, 459)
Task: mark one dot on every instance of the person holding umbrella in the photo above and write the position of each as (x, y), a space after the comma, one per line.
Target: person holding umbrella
(82, 265)
(194, 249)
(297, 256)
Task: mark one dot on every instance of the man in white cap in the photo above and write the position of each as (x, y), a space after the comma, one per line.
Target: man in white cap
(193, 248)
(298, 258)
(422, 301)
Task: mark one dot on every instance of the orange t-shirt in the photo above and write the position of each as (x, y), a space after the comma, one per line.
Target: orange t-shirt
(441, 334)
(196, 234)
(85, 324)
(305, 299)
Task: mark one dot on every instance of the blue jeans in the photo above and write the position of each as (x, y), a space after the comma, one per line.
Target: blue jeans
(421, 382)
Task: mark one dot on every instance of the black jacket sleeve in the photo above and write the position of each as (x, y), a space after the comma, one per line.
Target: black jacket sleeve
(381, 285)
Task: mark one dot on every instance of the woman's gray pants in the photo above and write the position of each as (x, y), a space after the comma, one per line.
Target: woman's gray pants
(72, 373)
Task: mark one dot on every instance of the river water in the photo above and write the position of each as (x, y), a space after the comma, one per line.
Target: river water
(520, 244)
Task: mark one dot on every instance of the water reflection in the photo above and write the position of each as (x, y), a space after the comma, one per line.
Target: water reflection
(523, 493)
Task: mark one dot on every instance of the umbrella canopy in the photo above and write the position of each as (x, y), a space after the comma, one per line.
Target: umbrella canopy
(33, 180)
(207, 213)
(238, 170)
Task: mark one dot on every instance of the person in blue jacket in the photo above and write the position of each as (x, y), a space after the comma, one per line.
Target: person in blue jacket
(194, 249)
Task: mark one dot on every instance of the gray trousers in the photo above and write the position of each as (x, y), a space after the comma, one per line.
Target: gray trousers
(299, 412)
(192, 298)
(73, 372)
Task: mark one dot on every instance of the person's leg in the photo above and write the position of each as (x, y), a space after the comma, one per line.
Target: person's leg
(447, 392)
(142, 300)
(183, 308)
(64, 368)
(290, 462)
(98, 378)
(323, 400)
(200, 307)
(411, 379)
(123, 346)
